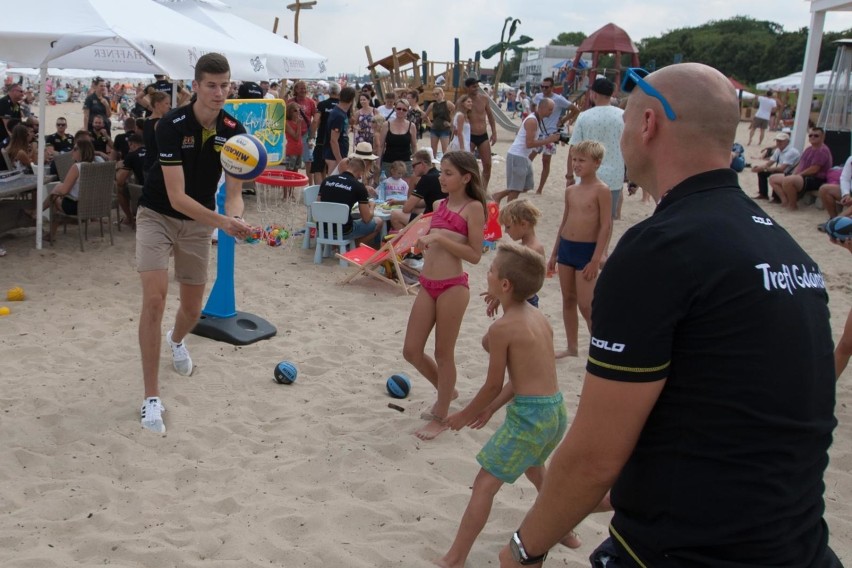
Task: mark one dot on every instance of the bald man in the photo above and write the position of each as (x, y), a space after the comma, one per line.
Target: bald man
(708, 435)
(519, 173)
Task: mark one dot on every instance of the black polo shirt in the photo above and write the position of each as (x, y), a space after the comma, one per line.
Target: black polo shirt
(135, 162)
(324, 109)
(60, 143)
(100, 142)
(429, 189)
(96, 107)
(713, 295)
(121, 145)
(8, 109)
(181, 141)
(346, 189)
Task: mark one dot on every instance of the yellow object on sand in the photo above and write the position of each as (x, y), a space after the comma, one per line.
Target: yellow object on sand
(15, 294)
(4, 311)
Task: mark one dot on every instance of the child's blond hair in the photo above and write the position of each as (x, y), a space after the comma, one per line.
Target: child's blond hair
(522, 267)
(519, 210)
(378, 120)
(398, 169)
(591, 148)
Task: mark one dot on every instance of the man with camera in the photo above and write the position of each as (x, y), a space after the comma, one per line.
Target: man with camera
(519, 173)
(564, 111)
(604, 123)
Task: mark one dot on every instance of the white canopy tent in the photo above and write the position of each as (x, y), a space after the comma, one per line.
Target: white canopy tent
(809, 67)
(99, 34)
(284, 59)
(793, 82)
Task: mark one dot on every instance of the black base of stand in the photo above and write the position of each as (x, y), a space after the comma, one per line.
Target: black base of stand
(242, 329)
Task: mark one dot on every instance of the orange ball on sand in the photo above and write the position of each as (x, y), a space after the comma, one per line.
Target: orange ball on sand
(15, 294)
(4, 311)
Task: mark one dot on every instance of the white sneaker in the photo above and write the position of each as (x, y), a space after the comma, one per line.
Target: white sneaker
(180, 356)
(152, 415)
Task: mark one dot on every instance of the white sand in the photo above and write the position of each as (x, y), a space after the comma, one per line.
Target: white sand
(251, 473)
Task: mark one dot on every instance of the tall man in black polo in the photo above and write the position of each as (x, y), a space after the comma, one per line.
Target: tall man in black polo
(337, 134)
(320, 126)
(177, 214)
(712, 434)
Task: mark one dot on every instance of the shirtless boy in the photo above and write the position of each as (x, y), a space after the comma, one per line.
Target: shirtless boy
(582, 240)
(480, 116)
(521, 342)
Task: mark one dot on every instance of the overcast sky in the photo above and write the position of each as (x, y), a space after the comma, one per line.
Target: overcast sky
(339, 29)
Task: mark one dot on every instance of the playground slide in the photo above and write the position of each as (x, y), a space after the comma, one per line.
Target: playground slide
(502, 119)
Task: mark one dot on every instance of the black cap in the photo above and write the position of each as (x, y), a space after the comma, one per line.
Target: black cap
(250, 90)
(603, 87)
(470, 81)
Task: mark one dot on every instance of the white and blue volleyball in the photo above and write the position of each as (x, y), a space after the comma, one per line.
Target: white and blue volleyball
(285, 373)
(839, 228)
(244, 157)
(398, 385)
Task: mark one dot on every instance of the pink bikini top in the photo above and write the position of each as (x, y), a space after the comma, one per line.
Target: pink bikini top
(445, 218)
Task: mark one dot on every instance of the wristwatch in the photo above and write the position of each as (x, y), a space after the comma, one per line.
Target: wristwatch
(520, 554)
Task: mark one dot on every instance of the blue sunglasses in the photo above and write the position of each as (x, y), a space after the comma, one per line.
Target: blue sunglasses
(633, 77)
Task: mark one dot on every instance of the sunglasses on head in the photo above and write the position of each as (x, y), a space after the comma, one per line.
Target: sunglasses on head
(633, 77)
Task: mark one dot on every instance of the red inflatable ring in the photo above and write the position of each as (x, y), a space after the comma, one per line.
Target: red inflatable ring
(282, 178)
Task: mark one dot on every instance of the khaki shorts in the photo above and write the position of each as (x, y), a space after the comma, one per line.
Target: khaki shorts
(158, 235)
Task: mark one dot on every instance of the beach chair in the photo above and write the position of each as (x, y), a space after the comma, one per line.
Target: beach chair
(389, 256)
(97, 183)
(309, 195)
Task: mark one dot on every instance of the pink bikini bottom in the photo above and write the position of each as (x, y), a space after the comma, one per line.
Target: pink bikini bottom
(437, 287)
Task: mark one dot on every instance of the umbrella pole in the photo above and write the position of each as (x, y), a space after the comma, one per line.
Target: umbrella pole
(42, 100)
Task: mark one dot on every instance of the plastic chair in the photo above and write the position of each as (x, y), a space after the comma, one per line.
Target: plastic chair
(329, 219)
(97, 184)
(309, 195)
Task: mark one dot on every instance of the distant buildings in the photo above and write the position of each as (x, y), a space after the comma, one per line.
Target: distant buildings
(536, 64)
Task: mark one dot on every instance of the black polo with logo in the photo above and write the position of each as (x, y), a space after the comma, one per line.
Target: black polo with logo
(60, 143)
(712, 295)
(181, 141)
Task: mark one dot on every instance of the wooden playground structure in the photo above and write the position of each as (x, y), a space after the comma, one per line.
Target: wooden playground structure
(408, 71)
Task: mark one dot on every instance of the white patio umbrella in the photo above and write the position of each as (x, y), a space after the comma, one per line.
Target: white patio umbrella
(793, 82)
(102, 35)
(285, 59)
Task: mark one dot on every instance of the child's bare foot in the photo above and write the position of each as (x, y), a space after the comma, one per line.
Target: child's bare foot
(567, 353)
(443, 563)
(571, 540)
(431, 414)
(431, 430)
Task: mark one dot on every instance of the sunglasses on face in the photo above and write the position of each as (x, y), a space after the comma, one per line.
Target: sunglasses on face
(60, 124)
(401, 109)
(634, 77)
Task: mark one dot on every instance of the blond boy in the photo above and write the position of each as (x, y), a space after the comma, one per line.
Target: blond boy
(521, 341)
(582, 240)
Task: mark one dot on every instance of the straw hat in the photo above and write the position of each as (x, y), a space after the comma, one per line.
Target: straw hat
(364, 150)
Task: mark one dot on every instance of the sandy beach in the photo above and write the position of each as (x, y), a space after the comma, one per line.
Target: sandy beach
(252, 473)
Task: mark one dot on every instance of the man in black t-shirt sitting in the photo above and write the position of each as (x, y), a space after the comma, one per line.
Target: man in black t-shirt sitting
(345, 188)
(121, 147)
(425, 193)
(101, 137)
(711, 433)
(133, 163)
(10, 108)
(60, 141)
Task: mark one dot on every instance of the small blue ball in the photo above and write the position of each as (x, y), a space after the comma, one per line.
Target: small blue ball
(285, 373)
(839, 228)
(398, 385)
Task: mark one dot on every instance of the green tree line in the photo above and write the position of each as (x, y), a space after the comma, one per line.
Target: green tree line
(747, 49)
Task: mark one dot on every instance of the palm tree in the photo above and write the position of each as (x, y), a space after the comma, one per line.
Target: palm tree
(505, 45)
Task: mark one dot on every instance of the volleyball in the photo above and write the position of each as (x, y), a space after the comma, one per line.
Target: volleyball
(244, 157)
(285, 373)
(15, 294)
(839, 228)
(398, 385)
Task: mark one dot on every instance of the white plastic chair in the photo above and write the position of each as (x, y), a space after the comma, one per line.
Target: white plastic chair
(309, 195)
(329, 219)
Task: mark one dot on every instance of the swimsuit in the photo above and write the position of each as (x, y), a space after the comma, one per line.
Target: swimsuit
(437, 287)
(533, 301)
(533, 428)
(574, 254)
(446, 218)
(478, 139)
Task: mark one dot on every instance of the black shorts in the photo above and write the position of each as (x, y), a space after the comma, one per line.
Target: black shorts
(811, 183)
(318, 165)
(478, 139)
(69, 206)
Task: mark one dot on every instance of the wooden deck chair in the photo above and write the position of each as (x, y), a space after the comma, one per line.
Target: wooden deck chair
(368, 260)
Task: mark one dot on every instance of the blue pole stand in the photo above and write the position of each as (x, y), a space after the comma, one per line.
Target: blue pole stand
(220, 319)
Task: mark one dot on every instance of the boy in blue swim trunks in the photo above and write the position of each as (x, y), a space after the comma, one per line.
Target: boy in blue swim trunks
(521, 341)
(582, 241)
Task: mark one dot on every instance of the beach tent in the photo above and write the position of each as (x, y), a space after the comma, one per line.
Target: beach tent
(284, 59)
(102, 35)
(793, 82)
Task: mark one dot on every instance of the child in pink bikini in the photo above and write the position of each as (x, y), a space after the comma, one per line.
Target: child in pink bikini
(455, 235)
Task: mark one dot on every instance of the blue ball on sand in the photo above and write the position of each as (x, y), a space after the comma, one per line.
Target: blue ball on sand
(285, 373)
(398, 385)
(839, 228)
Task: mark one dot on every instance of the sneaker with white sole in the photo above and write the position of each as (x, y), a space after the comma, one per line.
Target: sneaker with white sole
(152, 415)
(181, 360)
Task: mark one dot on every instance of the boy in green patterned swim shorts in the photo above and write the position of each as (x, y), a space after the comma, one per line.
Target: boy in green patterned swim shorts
(521, 341)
